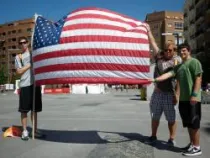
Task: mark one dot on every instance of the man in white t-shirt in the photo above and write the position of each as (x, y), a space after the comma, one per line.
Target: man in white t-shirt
(23, 68)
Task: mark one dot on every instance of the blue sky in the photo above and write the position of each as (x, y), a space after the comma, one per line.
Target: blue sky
(56, 9)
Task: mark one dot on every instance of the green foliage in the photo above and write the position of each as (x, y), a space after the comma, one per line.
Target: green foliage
(3, 78)
(14, 78)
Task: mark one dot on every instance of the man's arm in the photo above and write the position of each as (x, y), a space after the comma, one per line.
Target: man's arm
(177, 92)
(22, 70)
(163, 77)
(152, 40)
(197, 85)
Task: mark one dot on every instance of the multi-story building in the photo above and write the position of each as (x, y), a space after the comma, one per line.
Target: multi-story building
(9, 34)
(197, 32)
(167, 22)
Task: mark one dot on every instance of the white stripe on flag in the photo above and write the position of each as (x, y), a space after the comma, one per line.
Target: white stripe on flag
(93, 59)
(92, 45)
(102, 21)
(102, 32)
(98, 12)
(92, 73)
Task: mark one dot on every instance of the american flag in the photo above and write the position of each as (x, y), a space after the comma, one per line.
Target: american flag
(91, 45)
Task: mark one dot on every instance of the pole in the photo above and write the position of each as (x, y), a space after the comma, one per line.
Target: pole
(8, 66)
(177, 38)
(34, 83)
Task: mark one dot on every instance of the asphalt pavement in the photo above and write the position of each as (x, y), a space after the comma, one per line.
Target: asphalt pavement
(112, 125)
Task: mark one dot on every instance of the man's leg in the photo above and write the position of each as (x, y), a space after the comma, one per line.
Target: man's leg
(172, 126)
(156, 111)
(24, 120)
(190, 135)
(194, 132)
(155, 125)
(24, 125)
(195, 137)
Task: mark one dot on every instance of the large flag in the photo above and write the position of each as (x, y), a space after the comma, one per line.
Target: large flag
(91, 45)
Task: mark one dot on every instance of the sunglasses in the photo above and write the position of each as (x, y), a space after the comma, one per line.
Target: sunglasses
(24, 42)
(170, 50)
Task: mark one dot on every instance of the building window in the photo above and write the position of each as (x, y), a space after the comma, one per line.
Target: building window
(13, 31)
(19, 31)
(169, 24)
(11, 24)
(4, 33)
(178, 25)
(29, 29)
(155, 26)
(13, 39)
(13, 47)
(156, 34)
(9, 32)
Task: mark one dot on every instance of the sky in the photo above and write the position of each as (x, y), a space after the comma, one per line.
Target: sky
(11, 10)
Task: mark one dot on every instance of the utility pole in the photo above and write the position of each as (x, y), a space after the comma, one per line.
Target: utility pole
(8, 67)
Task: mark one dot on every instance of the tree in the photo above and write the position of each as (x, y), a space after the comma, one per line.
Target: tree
(3, 78)
(15, 77)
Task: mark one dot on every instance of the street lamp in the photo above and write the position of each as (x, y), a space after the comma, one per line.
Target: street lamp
(176, 34)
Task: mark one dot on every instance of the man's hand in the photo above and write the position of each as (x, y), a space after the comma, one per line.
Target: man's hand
(175, 99)
(193, 100)
(148, 28)
(151, 80)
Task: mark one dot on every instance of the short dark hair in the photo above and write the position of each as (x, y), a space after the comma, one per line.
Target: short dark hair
(22, 38)
(185, 45)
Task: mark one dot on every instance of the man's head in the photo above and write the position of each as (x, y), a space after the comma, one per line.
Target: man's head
(23, 43)
(185, 51)
(169, 50)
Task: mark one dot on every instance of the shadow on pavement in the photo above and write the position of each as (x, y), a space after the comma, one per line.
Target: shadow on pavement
(93, 137)
(80, 137)
(161, 145)
(206, 129)
(138, 98)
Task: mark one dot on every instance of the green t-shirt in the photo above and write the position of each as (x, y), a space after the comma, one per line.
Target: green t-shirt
(186, 74)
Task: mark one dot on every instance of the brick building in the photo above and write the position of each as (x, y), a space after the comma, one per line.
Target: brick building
(166, 22)
(9, 34)
(197, 32)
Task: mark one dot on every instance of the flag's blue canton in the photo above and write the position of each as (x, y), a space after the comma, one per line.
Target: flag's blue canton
(46, 32)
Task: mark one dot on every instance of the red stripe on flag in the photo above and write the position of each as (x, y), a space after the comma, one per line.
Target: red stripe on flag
(92, 80)
(86, 52)
(101, 26)
(101, 17)
(92, 66)
(96, 38)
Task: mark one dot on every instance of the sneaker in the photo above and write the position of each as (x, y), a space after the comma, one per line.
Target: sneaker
(187, 148)
(193, 152)
(25, 135)
(171, 142)
(151, 140)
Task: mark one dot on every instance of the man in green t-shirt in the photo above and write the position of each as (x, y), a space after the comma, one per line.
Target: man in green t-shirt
(189, 77)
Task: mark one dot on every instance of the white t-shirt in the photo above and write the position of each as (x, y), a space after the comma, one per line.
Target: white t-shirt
(26, 78)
